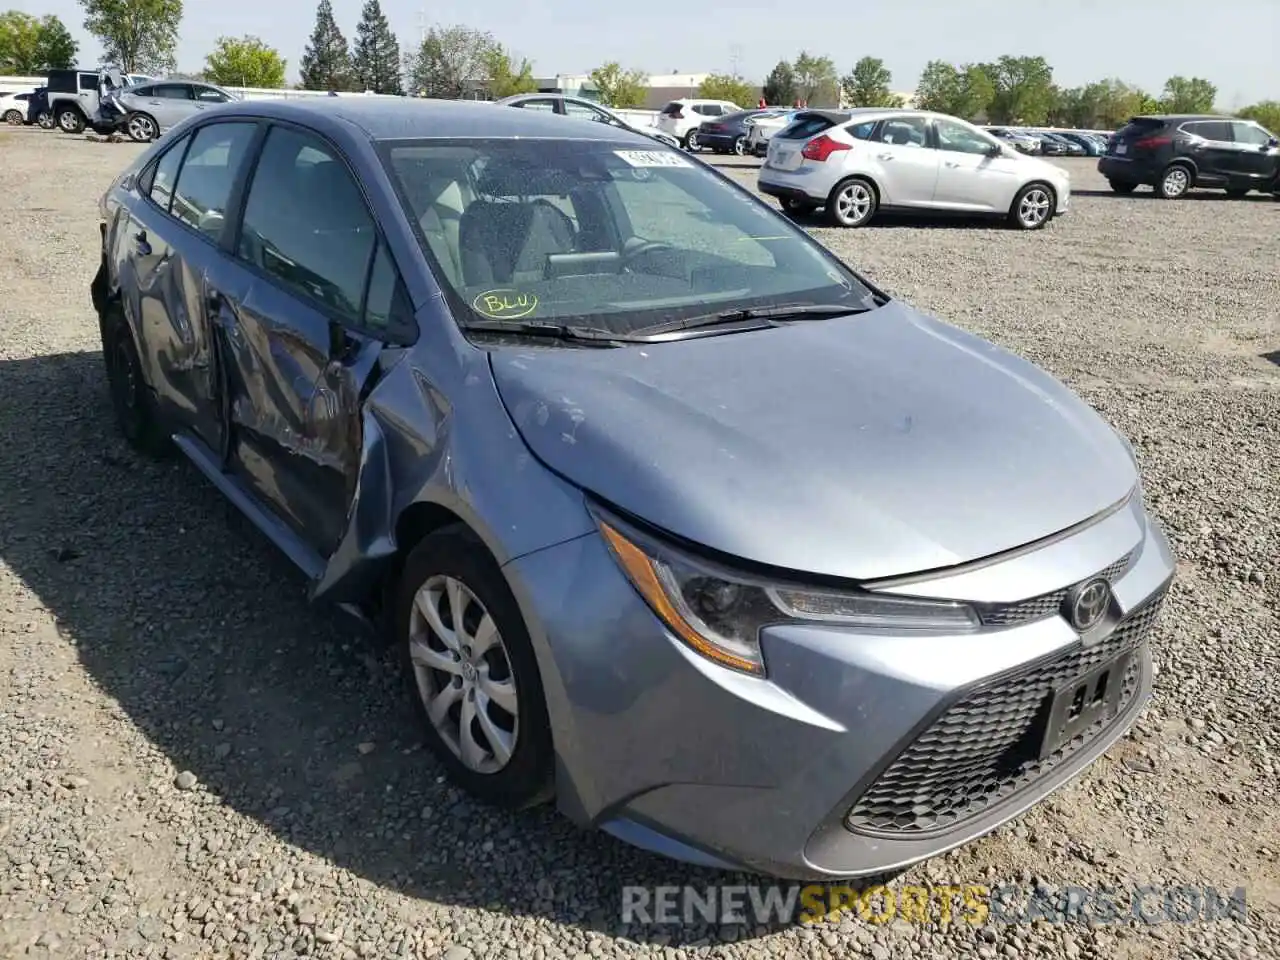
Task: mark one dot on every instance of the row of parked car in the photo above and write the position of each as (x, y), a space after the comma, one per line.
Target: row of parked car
(108, 101)
(1054, 143)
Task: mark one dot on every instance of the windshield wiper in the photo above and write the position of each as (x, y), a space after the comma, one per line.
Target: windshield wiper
(554, 331)
(767, 315)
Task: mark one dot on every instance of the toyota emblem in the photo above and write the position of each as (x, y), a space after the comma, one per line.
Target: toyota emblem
(1087, 604)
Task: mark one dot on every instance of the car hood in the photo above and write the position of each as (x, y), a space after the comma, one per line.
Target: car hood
(862, 447)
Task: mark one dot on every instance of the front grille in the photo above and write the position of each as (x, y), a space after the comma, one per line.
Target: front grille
(1045, 605)
(985, 748)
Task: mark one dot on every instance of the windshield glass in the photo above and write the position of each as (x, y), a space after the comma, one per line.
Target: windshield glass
(601, 234)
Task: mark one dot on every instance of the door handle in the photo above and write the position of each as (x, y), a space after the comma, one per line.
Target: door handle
(884, 156)
(952, 163)
(140, 244)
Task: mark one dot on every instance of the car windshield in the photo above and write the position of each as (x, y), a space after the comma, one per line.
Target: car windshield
(607, 235)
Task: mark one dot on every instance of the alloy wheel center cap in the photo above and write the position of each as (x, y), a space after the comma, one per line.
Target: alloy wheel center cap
(468, 672)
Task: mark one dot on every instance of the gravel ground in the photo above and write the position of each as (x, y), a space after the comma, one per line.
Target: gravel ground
(196, 763)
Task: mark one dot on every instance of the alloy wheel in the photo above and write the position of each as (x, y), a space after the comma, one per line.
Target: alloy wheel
(740, 146)
(854, 203)
(463, 674)
(1176, 182)
(141, 129)
(1034, 208)
(68, 121)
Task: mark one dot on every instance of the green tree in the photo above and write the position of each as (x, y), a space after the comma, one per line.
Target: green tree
(868, 85)
(326, 61)
(620, 88)
(964, 91)
(721, 86)
(816, 81)
(1266, 113)
(1188, 95)
(138, 36)
(1105, 104)
(375, 59)
(1022, 90)
(57, 49)
(780, 85)
(452, 63)
(19, 43)
(244, 62)
(506, 78)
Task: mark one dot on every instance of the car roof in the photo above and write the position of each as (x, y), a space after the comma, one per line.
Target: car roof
(392, 118)
(1180, 117)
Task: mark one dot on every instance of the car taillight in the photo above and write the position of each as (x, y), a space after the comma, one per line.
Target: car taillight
(822, 147)
(1150, 143)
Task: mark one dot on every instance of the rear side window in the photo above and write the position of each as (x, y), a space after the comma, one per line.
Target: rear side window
(861, 131)
(320, 250)
(158, 184)
(208, 173)
(62, 81)
(805, 127)
(88, 81)
(1216, 130)
(671, 109)
(171, 91)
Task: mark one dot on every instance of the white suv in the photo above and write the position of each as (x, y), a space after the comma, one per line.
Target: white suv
(856, 162)
(681, 118)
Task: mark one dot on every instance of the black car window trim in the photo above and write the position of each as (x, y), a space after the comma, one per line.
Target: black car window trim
(394, 334)
(148, 176)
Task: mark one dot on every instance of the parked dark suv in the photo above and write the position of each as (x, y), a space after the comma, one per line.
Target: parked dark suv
(1175, 153)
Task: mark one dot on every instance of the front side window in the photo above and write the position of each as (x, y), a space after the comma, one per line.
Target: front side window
(208, 173)
(1250, 135)
(861, 131)
(210, 95)
(547, 106)
(905, 132)
(602, 234)
(584, 112)
(171, 91)
(89, 81)
(959, 139)
(306, 223)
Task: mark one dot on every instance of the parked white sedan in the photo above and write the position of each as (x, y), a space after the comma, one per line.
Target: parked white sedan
(856, 162)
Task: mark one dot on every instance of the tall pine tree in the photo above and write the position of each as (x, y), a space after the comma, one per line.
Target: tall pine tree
(376, 58)
(326, 63)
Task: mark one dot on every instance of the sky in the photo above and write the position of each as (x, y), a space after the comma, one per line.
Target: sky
(1233, 43)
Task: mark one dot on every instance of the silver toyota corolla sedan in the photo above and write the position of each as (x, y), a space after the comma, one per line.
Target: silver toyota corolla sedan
(674, 516)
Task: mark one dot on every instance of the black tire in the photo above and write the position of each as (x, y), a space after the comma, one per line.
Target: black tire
(690, 141)
(1122, 186)
(14, 118)
(1033, 206)
(1175, 180)
(70, 120)
(527, 778)
(852, 202)
(740, 146)
(131, 398)
(45, 120)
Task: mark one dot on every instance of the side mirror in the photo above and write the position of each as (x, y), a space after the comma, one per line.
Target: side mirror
(1273, 143)
(995, 150)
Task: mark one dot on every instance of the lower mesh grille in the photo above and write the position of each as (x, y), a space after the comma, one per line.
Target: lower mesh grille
(985, 748)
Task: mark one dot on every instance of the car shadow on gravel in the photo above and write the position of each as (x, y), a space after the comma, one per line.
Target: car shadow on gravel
(917, 221)
(199, 631)
(1148, 194)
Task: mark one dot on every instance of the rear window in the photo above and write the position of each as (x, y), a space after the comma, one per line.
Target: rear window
(1140, 127)
(802, 128)
(671, 109)
(601, 234)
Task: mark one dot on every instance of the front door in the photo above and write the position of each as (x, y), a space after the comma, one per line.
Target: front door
(1212, 149)
(969, 178)
(169, 243)
(305, 309)
(906, 160)
(1257, 160)
(170, 103)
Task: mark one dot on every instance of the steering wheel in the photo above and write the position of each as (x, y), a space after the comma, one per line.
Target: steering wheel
(637, 247)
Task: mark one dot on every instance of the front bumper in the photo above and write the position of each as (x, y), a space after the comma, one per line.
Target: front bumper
(860, 753)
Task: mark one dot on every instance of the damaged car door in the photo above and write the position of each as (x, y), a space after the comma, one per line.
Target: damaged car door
(166, 245)
(306, 308)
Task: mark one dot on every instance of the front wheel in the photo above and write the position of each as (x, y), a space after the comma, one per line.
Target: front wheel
(142, 129)
(472, 672)
(45, 120)
(1032, 208)
(852, 203)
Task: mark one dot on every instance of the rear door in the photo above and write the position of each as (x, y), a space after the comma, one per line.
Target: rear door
(169, 103)
(968, 177)
(1210, 145)
(906, 161)
(307, 306)
(169, 243)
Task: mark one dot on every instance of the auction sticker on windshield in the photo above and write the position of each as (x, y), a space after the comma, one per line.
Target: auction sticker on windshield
(504, 304)
(652, 158)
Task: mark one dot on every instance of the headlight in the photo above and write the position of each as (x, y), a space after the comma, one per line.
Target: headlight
(720, 613)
